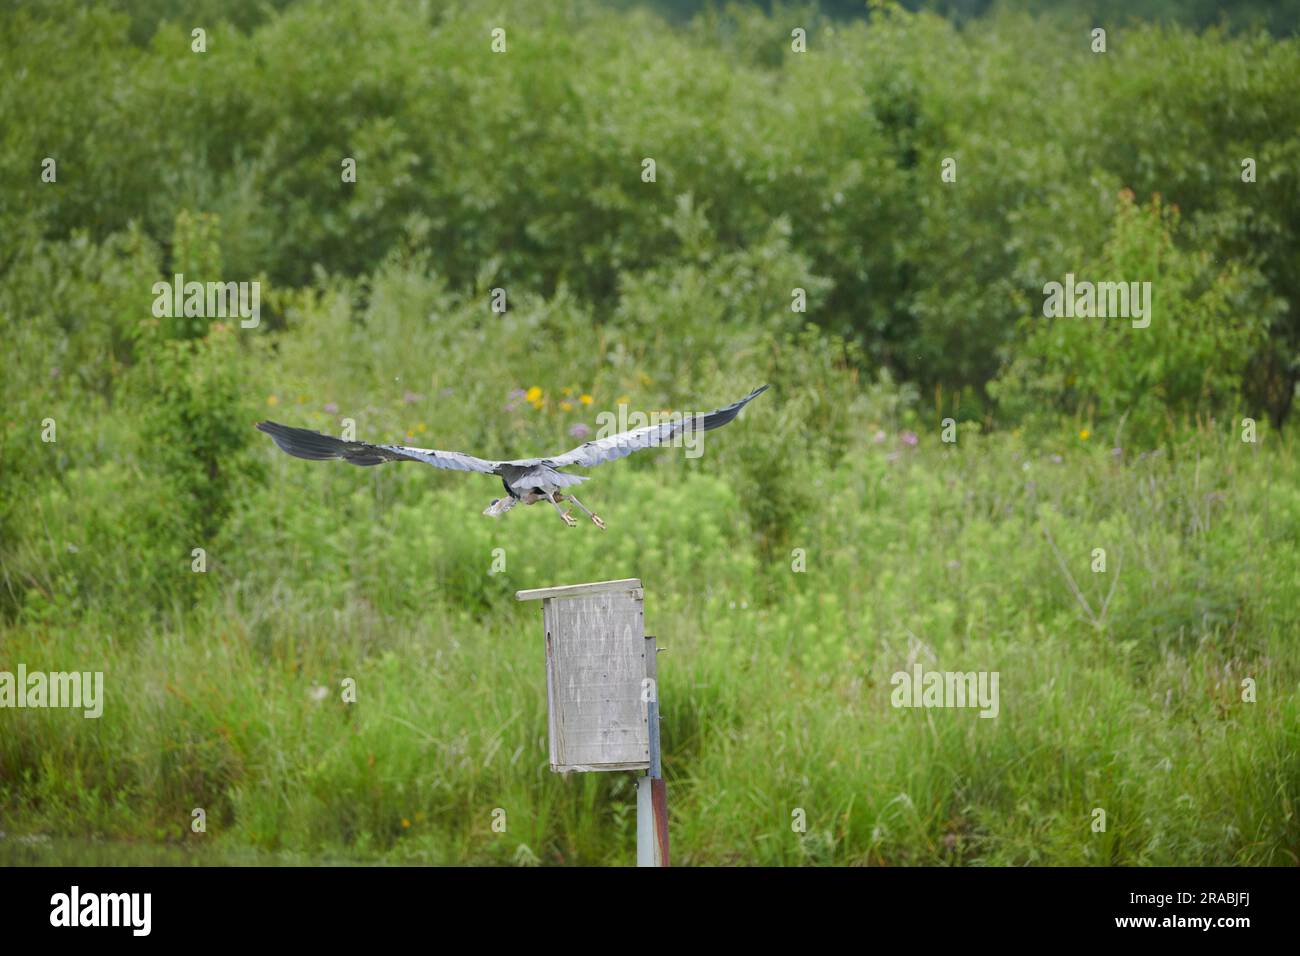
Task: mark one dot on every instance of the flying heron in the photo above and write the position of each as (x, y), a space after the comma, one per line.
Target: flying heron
(526, 480)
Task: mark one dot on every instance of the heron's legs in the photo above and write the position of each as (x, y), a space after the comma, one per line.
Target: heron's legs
(595, 518)
(568, 518)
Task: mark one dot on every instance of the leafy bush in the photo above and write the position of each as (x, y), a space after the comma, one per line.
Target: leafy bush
(1205, 323)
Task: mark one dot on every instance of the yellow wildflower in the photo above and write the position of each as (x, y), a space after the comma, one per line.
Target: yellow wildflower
(566, 406)
(585, 399)
(1083, 435)
(272, 400)
(533, 395)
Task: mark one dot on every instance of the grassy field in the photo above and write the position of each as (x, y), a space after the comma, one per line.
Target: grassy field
(775, 688)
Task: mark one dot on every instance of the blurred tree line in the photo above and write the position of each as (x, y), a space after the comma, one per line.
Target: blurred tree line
(1279, 16)
(525, 169)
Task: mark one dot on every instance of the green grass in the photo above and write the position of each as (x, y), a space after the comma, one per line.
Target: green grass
(775, 688)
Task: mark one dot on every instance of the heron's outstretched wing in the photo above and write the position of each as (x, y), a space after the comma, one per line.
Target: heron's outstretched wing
(613, 447)
(303, 443)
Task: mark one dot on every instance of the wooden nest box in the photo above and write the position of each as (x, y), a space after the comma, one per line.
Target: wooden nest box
(600, 675)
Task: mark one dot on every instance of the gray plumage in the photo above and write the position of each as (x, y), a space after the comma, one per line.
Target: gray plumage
(526, 479)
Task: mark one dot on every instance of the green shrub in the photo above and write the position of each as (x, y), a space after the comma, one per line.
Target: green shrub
(1111, 373)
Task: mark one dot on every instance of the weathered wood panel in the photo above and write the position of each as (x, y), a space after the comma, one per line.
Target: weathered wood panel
(595, 665)
(573, 590)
